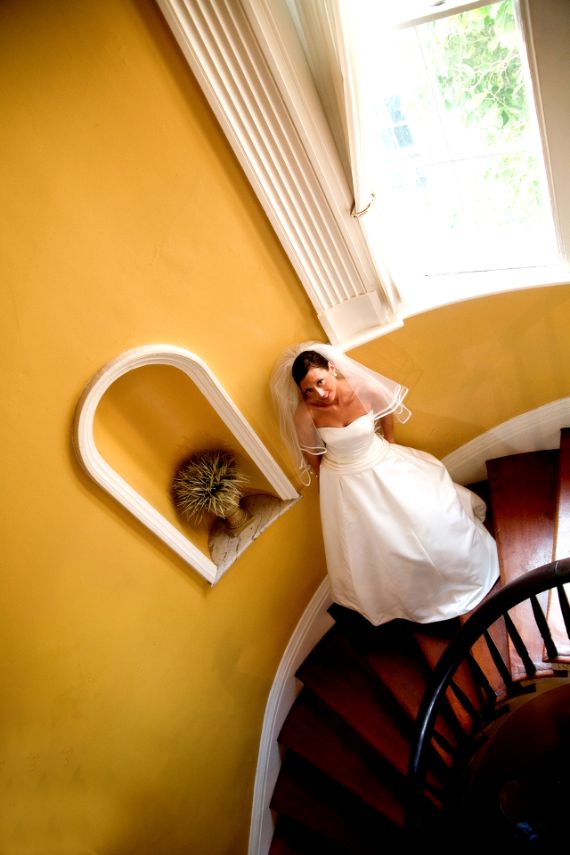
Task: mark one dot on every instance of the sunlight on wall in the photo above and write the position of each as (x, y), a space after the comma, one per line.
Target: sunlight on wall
(475, 364)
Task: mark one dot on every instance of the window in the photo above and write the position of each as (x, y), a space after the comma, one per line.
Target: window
(460, 170)
(248, 57)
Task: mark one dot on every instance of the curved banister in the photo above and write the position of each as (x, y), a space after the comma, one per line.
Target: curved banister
(552, 575)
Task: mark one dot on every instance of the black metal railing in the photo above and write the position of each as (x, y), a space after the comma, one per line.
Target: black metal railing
(528, 587)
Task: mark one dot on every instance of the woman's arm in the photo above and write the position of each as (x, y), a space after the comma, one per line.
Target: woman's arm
(314, 461)
(387, 423)
(307, 437)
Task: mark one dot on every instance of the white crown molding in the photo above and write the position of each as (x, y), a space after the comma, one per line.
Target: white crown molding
(240, 52)
(535, 430)
(110, 480)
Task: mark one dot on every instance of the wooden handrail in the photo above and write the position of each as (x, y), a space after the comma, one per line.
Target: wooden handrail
(526, 587)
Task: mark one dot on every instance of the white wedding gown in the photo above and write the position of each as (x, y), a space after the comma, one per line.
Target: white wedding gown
(402, 540)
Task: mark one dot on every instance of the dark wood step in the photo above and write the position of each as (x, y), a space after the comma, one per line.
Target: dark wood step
(561, 548)
(401, 654)
(395, 662)
(314, 732)
(350, 691)
(481, 651)
(312, 800)
(339, 673)
(562, 527)
(468, 700)
(291, 838)
(523, 491)
(399, 664)
(389, 655)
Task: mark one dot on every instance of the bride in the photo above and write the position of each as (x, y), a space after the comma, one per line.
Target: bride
(402, 540)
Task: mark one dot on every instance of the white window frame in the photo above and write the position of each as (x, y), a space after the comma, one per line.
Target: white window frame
(248, 61)
(547, 75)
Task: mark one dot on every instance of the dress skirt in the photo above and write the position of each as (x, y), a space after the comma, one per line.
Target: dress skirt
(402, 540)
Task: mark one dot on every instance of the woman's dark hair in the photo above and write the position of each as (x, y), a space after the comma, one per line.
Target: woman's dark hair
(304, 362)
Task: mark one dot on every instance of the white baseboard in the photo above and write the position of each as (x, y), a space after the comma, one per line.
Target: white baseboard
(310, 629)
(536, 430)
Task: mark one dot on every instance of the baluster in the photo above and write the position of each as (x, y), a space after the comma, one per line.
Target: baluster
(564, 607)
(519, 646)
(500, 663)
(543, 627)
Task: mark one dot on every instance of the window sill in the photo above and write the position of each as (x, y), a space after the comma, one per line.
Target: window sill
(433, 292)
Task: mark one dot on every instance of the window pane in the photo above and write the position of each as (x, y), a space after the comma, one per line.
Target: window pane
(460, 170)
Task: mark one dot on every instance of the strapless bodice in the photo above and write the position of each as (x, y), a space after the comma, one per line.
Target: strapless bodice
(354, 447)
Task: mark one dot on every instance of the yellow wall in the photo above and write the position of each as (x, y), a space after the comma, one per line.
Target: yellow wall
(473, 365)
(132, 692)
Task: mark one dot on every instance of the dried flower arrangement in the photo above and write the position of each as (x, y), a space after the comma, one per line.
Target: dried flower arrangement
(210, 482)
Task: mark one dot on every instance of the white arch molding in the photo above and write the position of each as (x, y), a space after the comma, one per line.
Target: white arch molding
(110, 480)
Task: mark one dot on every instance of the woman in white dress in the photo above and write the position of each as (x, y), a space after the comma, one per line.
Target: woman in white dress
(401, 539)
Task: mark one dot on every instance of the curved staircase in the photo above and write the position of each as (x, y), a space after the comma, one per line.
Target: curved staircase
(500, 729)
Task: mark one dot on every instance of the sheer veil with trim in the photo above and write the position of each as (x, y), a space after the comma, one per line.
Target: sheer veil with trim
(379, 394)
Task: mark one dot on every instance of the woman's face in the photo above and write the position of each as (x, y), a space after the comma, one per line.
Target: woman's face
(318, 386)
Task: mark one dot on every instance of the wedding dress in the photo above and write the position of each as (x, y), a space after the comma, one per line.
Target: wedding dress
(402, 540)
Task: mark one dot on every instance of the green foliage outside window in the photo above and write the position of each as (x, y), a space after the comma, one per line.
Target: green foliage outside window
(480, 80)
(479, 70)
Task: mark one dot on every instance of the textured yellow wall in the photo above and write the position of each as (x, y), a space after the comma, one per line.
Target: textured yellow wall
(475, 364)
(132, 692)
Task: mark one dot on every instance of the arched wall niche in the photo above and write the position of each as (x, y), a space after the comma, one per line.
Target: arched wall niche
(146, 410)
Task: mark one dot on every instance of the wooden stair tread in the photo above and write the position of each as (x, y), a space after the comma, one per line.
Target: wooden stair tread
(561, 547)
(391, 651)
(391, 658)
(523, 489)
(404, 672)
(342, 755)
(498, 633)
(351, 693)
(307, 796)
(432, 640)
(523, 495)
(562, 527)
(292, 838)
(395, 662)
(481, 653)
